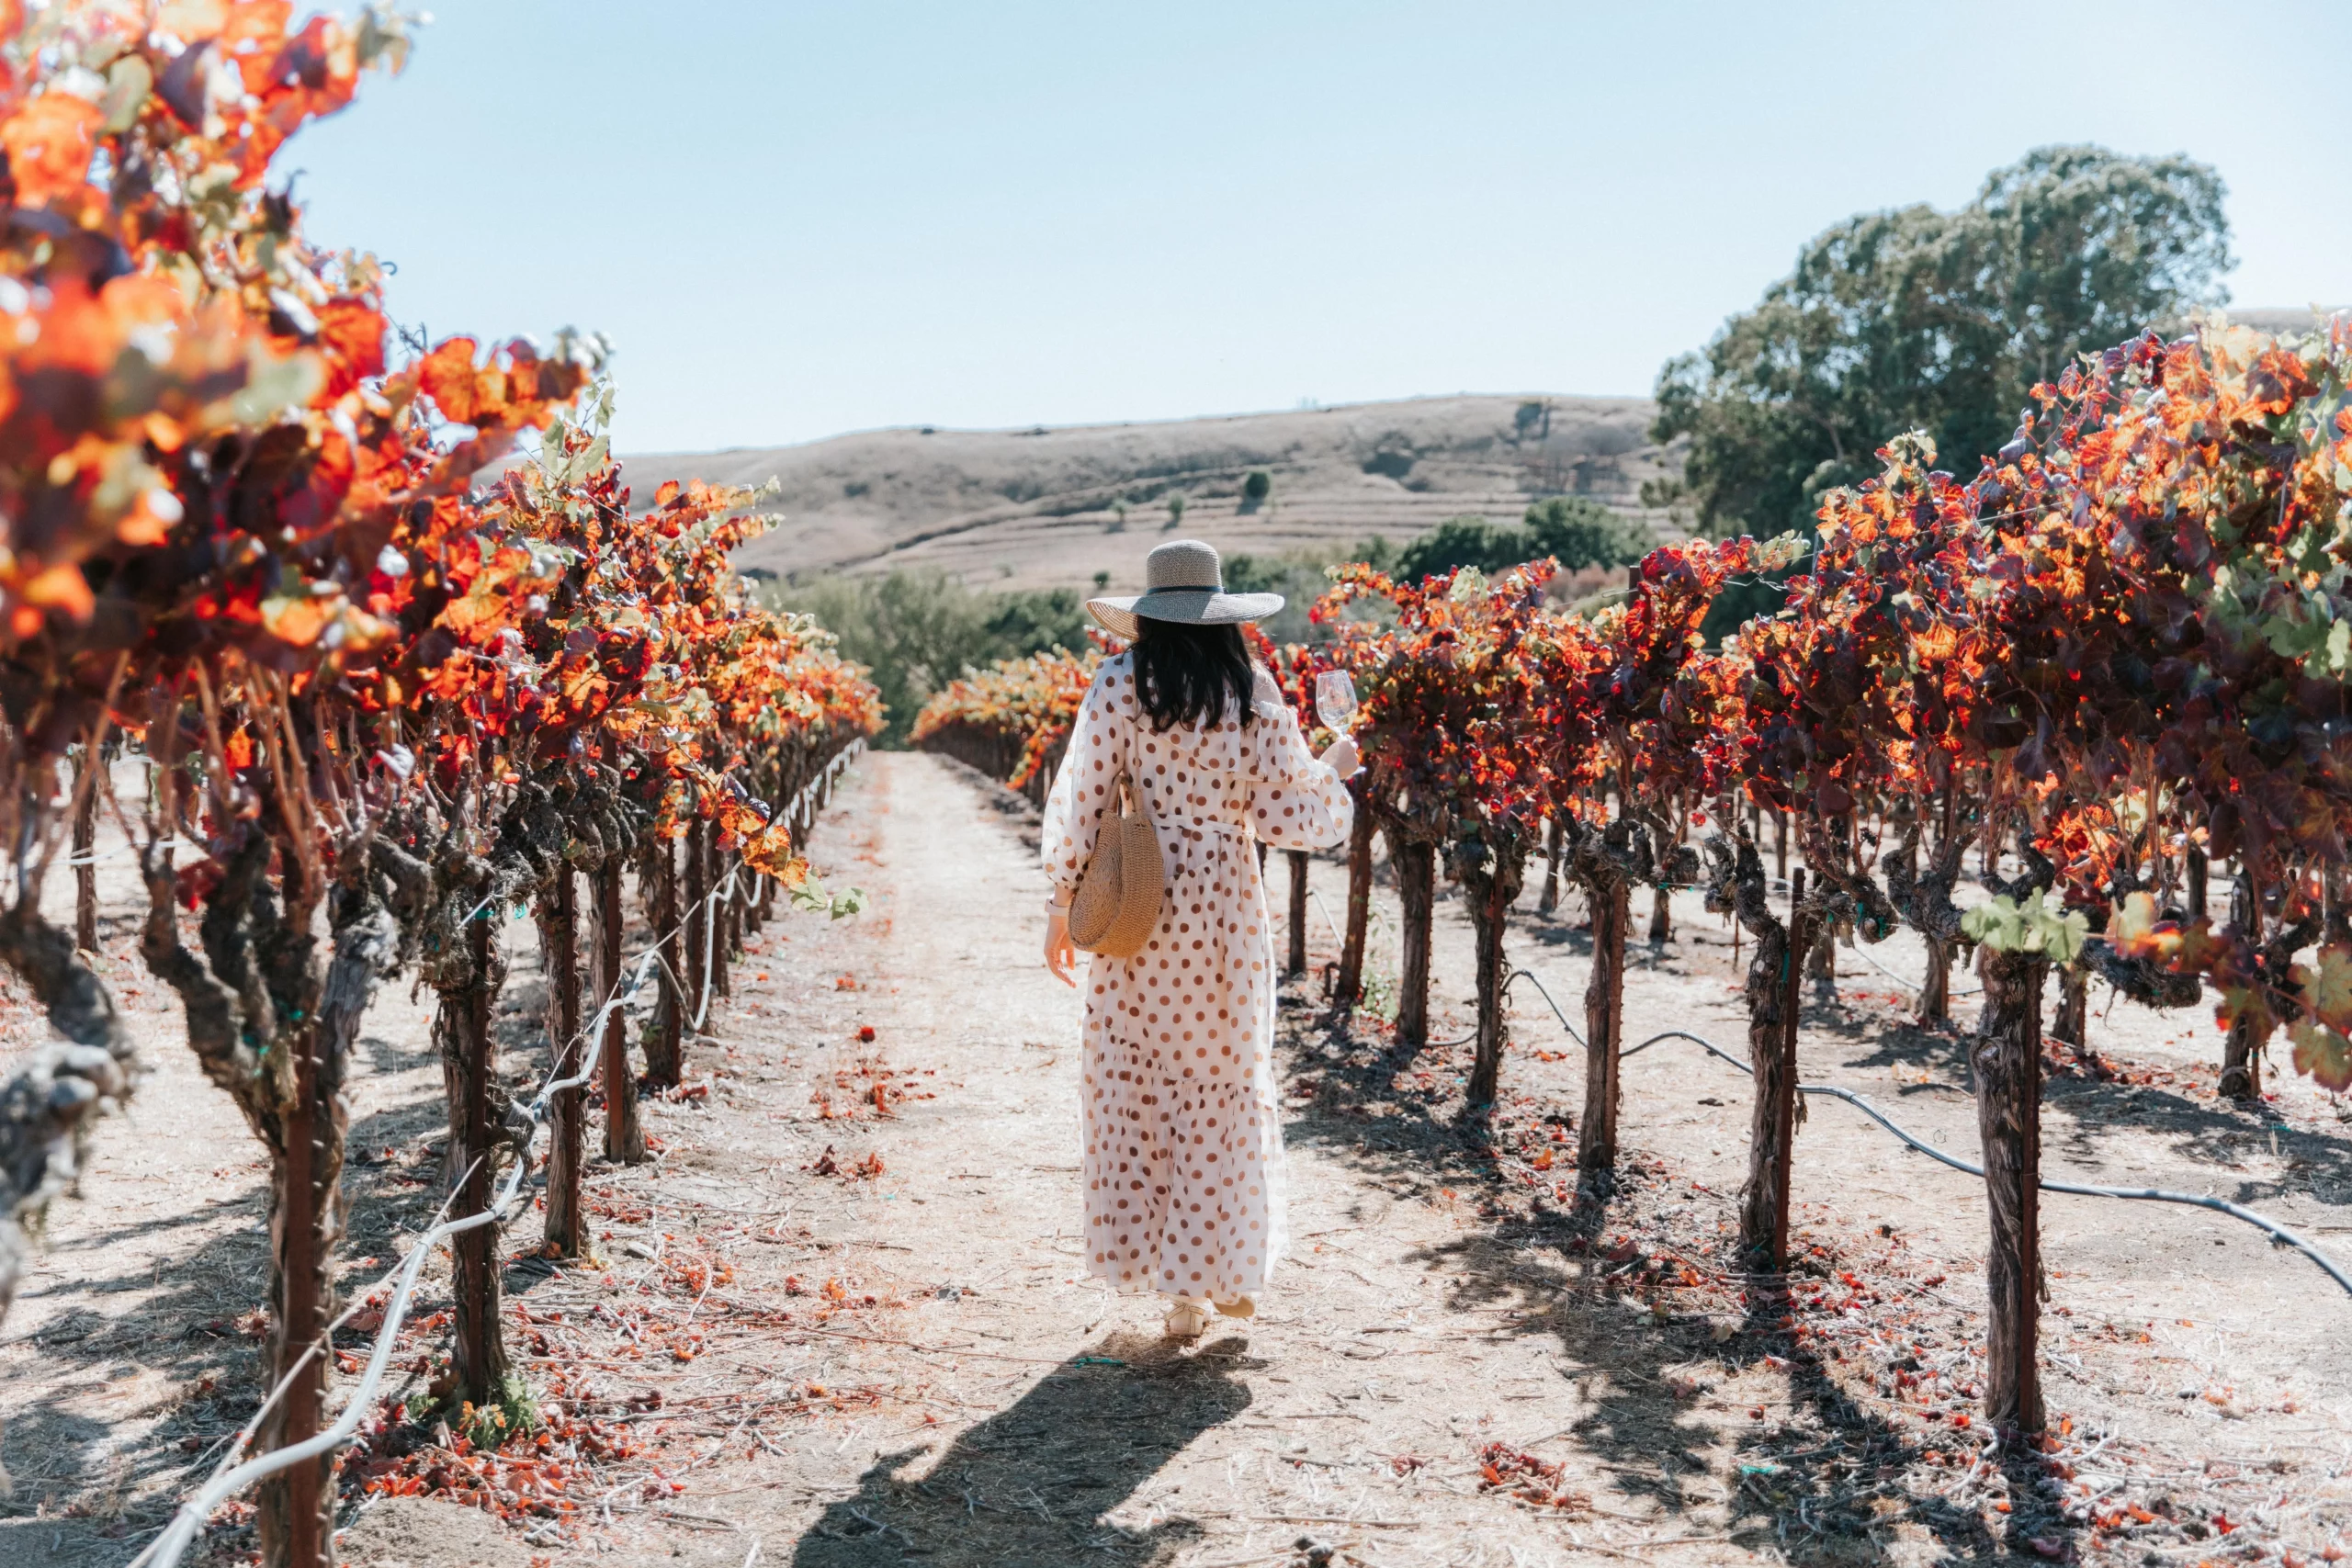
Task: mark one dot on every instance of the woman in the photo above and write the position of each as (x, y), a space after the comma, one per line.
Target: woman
(1183, 1146)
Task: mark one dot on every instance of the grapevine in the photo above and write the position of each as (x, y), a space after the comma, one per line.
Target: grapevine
(376, 695)
(2114, 656)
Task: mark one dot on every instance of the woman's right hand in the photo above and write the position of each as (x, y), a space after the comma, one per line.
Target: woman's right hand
(1062, 953)
(1343, 758)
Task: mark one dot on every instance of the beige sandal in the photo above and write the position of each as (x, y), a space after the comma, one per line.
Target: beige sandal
(1187, 1320)
(1239, 1306)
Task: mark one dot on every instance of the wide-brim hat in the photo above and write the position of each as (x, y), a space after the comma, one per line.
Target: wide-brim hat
(1183, 582)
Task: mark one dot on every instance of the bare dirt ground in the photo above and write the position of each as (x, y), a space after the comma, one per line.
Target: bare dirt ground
(841, 1319)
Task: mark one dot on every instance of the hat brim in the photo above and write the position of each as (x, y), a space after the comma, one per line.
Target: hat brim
(1185, 607)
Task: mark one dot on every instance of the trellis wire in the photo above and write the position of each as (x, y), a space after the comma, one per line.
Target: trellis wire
(2278, 1233)
(1871, 959)
(166, 1549)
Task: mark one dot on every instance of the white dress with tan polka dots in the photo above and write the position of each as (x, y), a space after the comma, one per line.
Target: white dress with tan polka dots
(1184, 1144)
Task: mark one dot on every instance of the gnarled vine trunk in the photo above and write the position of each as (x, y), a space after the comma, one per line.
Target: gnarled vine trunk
(1821, 961)
(567, 1224)
(1348, 986)
(624, 1135)
(60, 1089)
(2006, 1059)
(88, 775)
(462, 1028)
(1294, 962)
(1771, 994)
(1416, 865)
(720, 931)
(1490, 889)
(1925, 900)
(1935, 991)
(2242, 1048)
(2071, 1024)
(1604, 1024)
(1548, 898)
(275, 1027)
(699, 932)
(665, 1037)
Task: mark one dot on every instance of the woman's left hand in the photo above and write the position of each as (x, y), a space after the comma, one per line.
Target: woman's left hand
(1062, 953)
(1343, 758)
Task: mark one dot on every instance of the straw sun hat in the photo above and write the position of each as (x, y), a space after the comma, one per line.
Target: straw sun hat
(1183, 582)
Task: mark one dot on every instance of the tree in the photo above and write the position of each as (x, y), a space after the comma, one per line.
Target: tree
(1579, 532)
(916, 631)
(1256, 486)
(1914, 319)
(1574, 530)
(1457, 542)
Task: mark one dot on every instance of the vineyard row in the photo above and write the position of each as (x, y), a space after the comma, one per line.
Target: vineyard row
(2112, 660)
(400, 653)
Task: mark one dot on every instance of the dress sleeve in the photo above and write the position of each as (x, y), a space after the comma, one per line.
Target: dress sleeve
(1295, 801)
(1082, 790)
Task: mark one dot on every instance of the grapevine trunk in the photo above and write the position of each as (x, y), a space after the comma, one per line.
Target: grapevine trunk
(1935, 991)
(1491, 892)
(1604, 1024)
(1348, 988)
(1295, 962)
(85, 844)
(665, 1042)
(1772, 1009)
(567, 1226)
(2006, 1057)
(697, 894)
(469, 1063)
(1416, 864)
(623, 1137)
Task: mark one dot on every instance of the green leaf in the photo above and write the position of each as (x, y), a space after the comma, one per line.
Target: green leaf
(129, 81)
(1994, 925)
(2322, 1054)
(2327, 988)
(2036, 925)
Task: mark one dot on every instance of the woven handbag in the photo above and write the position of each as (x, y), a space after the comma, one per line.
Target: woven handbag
(1116, 906)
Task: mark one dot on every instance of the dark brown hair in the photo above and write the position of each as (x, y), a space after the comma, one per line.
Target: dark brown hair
(1185, 674)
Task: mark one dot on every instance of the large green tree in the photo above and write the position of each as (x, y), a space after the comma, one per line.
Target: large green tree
(1942, 321)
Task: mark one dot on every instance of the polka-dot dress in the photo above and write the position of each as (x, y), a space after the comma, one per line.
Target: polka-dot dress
(1184, 1162)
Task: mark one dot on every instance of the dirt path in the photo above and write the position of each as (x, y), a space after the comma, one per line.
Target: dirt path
(844, 1313)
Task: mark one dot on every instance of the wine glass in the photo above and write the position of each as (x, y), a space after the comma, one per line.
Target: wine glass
(1335, 700)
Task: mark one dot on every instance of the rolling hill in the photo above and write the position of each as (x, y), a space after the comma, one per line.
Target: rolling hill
(1047, 507)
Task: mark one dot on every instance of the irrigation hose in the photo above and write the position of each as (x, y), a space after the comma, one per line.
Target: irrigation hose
(2280, 1235)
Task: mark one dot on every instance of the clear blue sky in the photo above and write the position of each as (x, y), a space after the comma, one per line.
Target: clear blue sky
(799, 219)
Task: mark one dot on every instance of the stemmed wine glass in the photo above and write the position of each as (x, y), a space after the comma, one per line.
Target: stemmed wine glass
(1335, 700)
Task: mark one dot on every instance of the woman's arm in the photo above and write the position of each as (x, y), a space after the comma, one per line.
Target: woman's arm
(1298, 801)
(1074, 808)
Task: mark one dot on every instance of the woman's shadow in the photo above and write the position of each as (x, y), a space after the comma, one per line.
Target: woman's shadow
(1030, 1485)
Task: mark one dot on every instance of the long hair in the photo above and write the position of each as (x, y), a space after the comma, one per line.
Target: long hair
(1186, 674)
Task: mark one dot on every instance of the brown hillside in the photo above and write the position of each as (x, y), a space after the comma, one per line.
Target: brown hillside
(1039, 507)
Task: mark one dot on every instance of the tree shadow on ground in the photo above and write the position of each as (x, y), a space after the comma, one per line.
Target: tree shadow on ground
(1825, 1482)
(195, 1332)
(1029, 1486)
(1829, 1481)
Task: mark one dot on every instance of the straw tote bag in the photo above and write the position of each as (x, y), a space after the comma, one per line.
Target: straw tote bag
(1116, 906)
